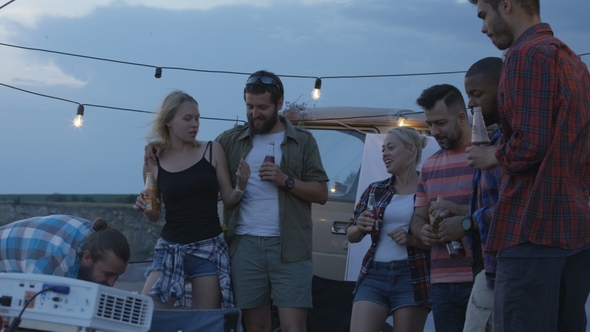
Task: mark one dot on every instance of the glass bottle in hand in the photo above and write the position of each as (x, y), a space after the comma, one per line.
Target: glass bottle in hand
(270, 153)
(151, 204)
(372, 207)
(455, 247)
(479, 133)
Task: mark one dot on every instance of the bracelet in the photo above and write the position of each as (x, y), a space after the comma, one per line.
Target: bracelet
(239, 191)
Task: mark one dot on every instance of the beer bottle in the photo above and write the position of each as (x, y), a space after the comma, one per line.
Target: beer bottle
(270, 153)
(372, 207)
(151, 205)
(455, 247)
(479, 133)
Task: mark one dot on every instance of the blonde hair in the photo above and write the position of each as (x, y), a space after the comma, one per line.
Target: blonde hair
(165, 114)
(410, 137)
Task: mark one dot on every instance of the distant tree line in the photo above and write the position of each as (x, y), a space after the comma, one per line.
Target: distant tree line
(56, 197)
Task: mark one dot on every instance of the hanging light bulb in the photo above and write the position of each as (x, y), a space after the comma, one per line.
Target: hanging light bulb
(78, 121)
(315, 94)
(158, 72)
(400, 120)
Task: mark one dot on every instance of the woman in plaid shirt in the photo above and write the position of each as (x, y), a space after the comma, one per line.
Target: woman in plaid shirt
(394, 274)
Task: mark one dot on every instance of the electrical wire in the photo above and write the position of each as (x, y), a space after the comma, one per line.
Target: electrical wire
(108, 107)
(16, 322)
(235, 72)
(39, 94)
(6, 4)
(223, 71)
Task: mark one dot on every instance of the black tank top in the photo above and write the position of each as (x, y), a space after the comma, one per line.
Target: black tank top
(190, 201)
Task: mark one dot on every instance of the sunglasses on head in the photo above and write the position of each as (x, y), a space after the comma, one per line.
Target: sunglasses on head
(264, 80)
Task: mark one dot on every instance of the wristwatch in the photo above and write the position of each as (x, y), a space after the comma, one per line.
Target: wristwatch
(289, 183)
(467, 223)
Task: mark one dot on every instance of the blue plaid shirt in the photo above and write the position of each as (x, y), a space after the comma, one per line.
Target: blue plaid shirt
(44, 245)
(483, 199)
(171, 284)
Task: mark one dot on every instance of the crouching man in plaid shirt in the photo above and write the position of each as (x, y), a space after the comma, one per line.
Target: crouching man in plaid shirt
(64, 246)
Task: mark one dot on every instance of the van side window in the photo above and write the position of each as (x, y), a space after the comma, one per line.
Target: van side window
(342, 153)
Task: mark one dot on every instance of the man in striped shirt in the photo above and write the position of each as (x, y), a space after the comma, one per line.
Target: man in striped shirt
(445, 173)
(541, 225)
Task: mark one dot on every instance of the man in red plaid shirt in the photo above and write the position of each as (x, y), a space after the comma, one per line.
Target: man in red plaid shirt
(541, 226)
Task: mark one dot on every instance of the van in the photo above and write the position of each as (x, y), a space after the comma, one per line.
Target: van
(340, 133)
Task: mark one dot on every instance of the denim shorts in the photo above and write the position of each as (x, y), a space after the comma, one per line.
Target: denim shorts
(193, 266)
(388, 284)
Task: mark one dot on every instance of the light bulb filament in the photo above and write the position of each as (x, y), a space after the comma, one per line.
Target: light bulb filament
(78, 121)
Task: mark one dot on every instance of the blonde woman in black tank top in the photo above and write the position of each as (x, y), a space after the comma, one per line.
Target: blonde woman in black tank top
(190, 176)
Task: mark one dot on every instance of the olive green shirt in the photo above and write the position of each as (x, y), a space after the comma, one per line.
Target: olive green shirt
(301, 160)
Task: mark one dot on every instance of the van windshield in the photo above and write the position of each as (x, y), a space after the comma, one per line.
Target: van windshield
(342, 153)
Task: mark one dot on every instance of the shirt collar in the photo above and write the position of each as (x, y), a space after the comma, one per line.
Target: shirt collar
(537, 29)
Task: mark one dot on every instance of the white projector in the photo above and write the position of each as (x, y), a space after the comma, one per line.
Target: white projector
(72, 302)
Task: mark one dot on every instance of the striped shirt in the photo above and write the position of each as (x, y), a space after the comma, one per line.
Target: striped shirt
(44, 245)
(544, 105)
(418, 259)
(446, 173)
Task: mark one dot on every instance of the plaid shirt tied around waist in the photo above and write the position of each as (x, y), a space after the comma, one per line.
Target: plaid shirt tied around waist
(171, 284)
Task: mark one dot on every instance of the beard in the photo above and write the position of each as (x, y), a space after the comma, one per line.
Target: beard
(453, 139)
(266, 127)
(85, 273)
(502, 33)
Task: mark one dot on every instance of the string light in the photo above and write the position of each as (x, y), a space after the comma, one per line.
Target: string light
(81, 106)
(78, 121)
(315, 94)
(158, 74)
(159, 68)
(236, 120)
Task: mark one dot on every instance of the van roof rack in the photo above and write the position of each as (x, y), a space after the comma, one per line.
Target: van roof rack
(359, 116)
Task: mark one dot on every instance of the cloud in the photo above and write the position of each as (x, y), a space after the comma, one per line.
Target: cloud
(211, 4)
(23, 68)
(20, 70)
(27, 13)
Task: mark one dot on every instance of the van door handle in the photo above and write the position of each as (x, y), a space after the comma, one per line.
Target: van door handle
(339, 227)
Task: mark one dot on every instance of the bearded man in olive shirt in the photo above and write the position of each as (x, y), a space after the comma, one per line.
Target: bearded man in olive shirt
(270, 230)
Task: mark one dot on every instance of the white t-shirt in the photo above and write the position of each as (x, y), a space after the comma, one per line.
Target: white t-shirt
(259, 208)
(398, 214)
